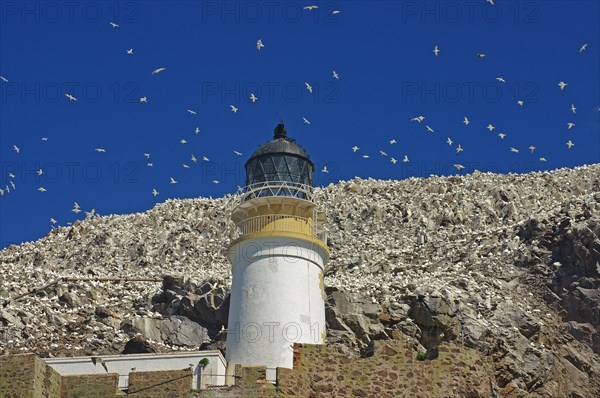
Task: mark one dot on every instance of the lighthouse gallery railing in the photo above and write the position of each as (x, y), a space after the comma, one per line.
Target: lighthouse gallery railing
(281, 223)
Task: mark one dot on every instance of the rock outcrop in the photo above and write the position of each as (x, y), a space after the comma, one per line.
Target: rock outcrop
(508, 265)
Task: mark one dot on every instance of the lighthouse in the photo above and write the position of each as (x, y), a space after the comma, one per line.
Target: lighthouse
(277, 294)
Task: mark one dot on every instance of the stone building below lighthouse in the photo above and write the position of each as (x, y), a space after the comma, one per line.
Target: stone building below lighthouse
(277, 293)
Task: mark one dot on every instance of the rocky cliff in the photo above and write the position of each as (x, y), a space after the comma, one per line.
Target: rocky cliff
(506, 264)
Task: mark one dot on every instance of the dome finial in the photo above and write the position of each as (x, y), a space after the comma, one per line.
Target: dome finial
(280, 131)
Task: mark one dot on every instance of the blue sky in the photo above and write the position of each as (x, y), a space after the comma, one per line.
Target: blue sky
(382, 51)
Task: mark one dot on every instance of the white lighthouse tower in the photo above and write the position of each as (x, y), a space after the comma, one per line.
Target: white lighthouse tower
(277, 295)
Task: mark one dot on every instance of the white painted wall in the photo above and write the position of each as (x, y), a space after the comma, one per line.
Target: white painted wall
(213, 373)
(276, 300)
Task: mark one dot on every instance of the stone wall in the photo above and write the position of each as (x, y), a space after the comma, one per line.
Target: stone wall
(249, 382)
(27, 376)
(389, 369)
(392, 370)
(89, 386)
(17, 376)
(46, 381)
(168, 384)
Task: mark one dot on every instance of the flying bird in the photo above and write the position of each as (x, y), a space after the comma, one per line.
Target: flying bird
(53, 221)
(325, 169)
(308, 87)
(501, 79)
(405, 160)
(436, 50)
(449, 141)
(76, 208)
(215, 181)
(543, 160)
(458, 167)
(185, 166)
(147, 155)
(100, 150)
(130, 51)
(335, 12)
(3, 79)
(11, 175)
(70, 97)
(392, 142)
(583, 48)
(310, 8)
(17, 149)
(520, 103)
(194, 159)
(114, 25)
(40, 172)
(501, 135)
(336, 76)
(154, 192)
(143, 100)
(156, 71)
(197, 130)
(490, 1)
(183, 141)
(191, 112)
(466, 121)
(253, 97)
(570, 125)
(573, 109)
(382, 153)
(459, 149)
(355, 148)
(570, 144)
(205, 159)
(429, 129)
(418, 119)
(365, 156)
(562, 85)
(44, 138)
(490, 127)
(531, 148)
(481, 56)
(305, 120)
(172, 181)
(233, 109)
(42, 189)
(259, 44)
(515, 150)
(393, 160)
(237, 153)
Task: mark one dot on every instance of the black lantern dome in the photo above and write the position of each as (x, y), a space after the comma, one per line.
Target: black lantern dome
(280, 160)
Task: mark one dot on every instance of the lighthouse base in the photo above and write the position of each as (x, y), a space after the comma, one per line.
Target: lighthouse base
(277, 299)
